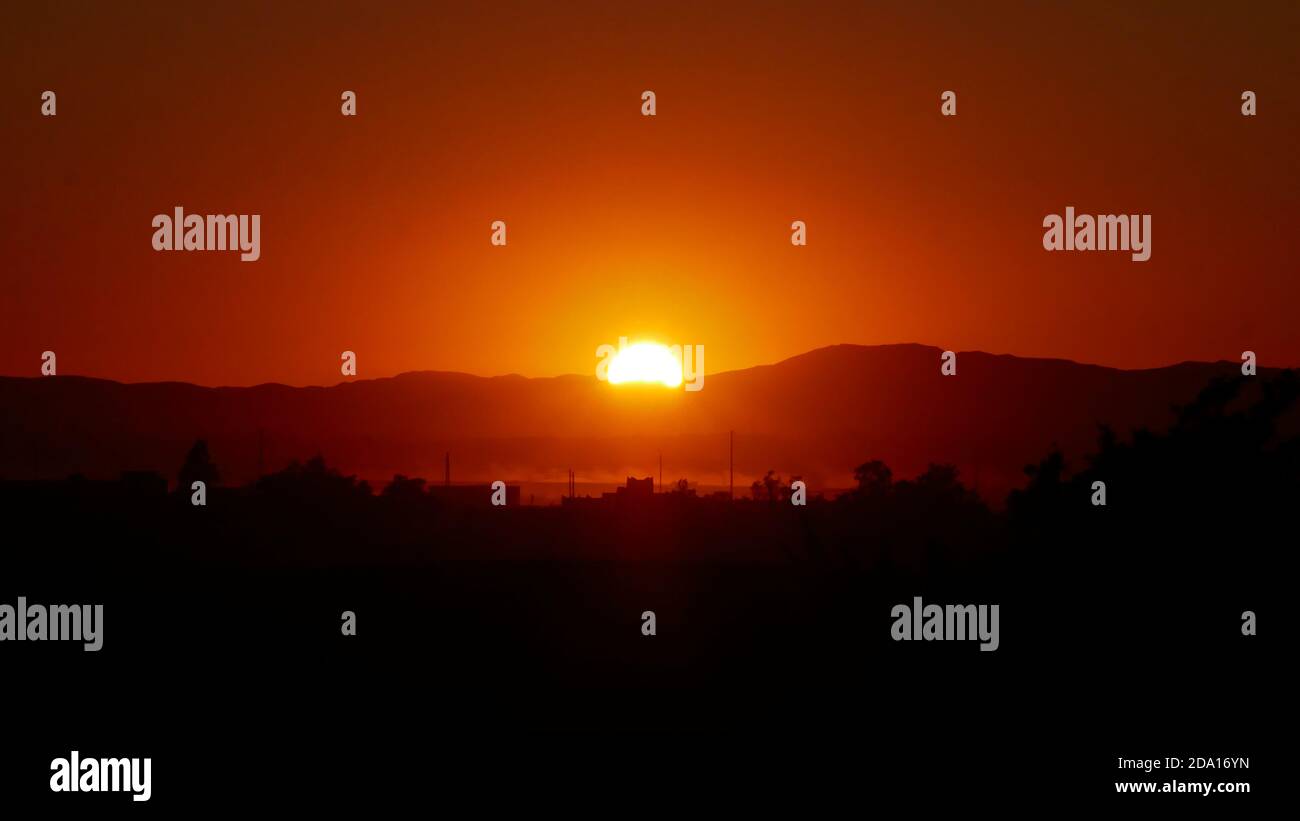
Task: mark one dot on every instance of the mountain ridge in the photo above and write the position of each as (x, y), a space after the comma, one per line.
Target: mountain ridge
(816, 414)
(794, 357)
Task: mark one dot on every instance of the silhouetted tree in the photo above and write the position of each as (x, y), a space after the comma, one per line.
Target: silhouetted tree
(939, 482)
(1196, 504)
(770, 488)
(874, 478)
(198, 467)
(404, 489)
(312, 480)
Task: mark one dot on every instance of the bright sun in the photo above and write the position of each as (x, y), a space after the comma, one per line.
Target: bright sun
(645, 362)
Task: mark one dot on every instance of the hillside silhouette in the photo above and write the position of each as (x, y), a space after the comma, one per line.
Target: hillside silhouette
(800, 416)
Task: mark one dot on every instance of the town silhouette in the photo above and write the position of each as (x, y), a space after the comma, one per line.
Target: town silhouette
(763, 607)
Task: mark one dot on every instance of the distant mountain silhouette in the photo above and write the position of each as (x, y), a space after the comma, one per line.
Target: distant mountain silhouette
(817, 415)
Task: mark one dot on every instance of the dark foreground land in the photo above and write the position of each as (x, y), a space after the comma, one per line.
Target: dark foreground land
(495, 647)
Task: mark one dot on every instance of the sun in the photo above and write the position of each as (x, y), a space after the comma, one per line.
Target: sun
(645, 362)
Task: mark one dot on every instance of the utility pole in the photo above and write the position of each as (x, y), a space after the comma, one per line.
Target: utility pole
(731, 462)
(661, 471)
(446, 470)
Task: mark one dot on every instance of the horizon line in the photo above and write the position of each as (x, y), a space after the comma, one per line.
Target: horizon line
(516, 375)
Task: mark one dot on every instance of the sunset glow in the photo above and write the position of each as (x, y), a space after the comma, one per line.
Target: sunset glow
(920, 227)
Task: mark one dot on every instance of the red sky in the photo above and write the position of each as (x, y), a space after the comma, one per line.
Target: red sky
(375, 229)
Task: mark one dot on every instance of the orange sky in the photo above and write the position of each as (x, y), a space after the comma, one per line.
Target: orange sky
(375, 229)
